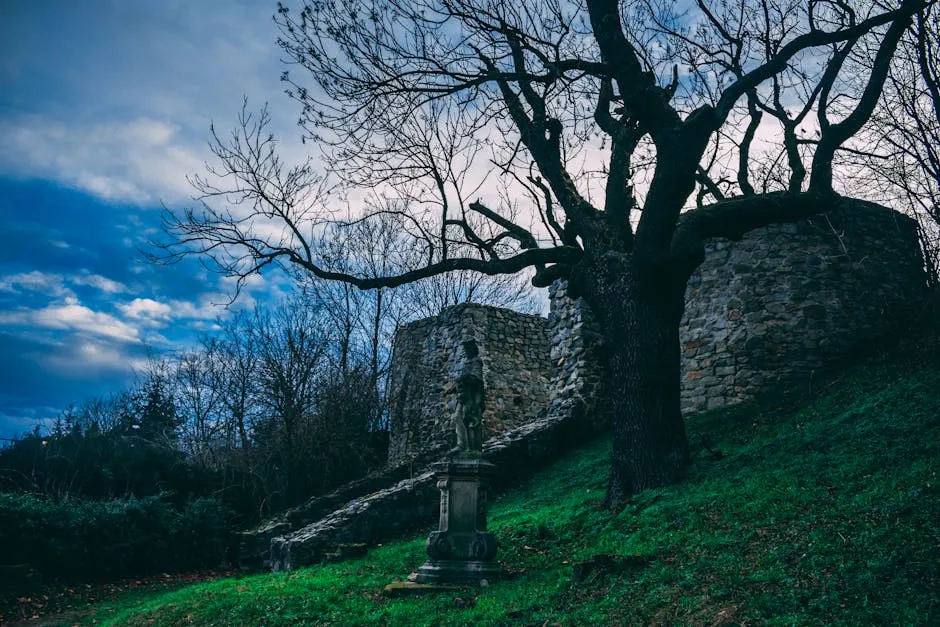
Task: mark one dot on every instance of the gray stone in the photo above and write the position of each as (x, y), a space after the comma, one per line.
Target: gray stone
(459, 572)
(410, 588)
(803, 301)
(427, 357)
(411, 504)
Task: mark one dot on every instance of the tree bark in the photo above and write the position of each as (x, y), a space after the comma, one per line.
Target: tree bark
(638, 304)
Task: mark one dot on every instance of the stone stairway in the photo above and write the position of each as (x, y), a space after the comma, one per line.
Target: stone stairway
(254, 551)
(396, 500)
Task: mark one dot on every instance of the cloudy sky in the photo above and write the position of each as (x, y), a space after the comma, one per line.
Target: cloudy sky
(105, 107)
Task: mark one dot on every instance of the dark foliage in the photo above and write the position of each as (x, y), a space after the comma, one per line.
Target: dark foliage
(85, 503)
(96, 465)
(83, 539)
(330, 446)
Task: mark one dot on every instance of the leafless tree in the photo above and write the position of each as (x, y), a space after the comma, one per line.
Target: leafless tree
(200, 400)
(427, 297)
(898, 155)
(102, 413)
(361, 321)
(584, 129)
(292, 347)
(240, 357)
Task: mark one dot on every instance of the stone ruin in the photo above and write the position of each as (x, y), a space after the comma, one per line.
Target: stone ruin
(789, 300)
(769, 310)
(423, 395)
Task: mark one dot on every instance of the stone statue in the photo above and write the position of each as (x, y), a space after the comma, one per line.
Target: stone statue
(462, 551)
(469, 419)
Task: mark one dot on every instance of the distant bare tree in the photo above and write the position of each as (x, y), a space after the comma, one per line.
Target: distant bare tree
(428, 297)
(292, 346)
(102, 413)
(366, 321)
(200, 396)
(240, 357)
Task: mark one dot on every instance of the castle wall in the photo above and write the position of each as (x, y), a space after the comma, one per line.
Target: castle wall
(773, 308)
(788, 299)
(577, 376)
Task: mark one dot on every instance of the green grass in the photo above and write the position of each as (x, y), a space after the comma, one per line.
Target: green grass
(822, 514)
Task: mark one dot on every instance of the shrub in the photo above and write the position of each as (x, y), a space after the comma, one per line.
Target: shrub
(73, 538)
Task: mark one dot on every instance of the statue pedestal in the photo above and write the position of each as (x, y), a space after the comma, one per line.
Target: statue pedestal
(461, 550)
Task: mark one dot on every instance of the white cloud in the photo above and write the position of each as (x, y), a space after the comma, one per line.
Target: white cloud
(153, 313)
(139, 161)
(23, 420)
(98, 354)
(204, 326)
(71, 315)
(128, 117)
(147, 309)
(99, 282)
(89, 358)
(55, 285)
(36, 281)
(208, 308)
(77, 317)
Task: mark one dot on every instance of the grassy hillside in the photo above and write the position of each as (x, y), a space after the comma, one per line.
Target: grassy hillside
(827, 513)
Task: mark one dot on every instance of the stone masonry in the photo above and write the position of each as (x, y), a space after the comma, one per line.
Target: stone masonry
(371, 515)
(790, 299)
(576, 352)
(773, 308)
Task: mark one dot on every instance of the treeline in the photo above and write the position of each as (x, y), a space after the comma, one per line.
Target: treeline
(274, 405)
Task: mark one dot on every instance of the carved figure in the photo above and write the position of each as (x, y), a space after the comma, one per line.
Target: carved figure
(469, 419)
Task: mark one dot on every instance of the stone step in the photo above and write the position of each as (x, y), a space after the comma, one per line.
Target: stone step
(413, 504)
(255, 544)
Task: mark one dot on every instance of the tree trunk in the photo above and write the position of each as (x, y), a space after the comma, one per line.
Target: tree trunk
(638, 307)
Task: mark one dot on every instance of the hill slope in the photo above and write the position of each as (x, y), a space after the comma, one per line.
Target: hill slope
(823, 513)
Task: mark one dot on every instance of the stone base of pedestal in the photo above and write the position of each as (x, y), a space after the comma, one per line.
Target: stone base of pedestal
(458, 572)
(411, 588)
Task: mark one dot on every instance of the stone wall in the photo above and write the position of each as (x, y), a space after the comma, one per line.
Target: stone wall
(577, 375)
(558, 408)
(773, 308)
(785, 301)
(427, 355)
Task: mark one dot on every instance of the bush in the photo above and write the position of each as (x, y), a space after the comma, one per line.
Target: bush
(98, 466)
(92, 539)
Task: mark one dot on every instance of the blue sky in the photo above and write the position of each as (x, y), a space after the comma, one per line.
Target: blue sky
(105, 107)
